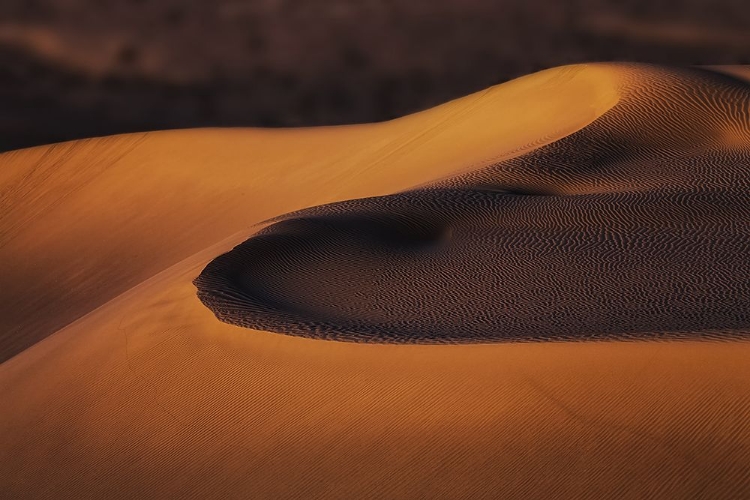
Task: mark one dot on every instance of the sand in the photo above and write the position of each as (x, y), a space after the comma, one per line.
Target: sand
(635, 226)
(119, 382)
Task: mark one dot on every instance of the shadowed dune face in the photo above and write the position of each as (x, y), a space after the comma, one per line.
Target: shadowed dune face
(635, 227)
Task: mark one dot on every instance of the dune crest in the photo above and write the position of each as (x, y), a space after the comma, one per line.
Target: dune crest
(147, 395)
(113, 212)
(634, 227)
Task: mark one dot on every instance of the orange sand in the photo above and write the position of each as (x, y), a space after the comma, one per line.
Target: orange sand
(147, 394)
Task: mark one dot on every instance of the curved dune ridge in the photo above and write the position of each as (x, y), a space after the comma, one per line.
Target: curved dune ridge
(635, 227)
(592, 201)
(126, 196)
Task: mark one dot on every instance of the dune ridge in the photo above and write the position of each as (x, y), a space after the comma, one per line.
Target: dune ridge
(140, 203)
(147, 395)
(634, 227)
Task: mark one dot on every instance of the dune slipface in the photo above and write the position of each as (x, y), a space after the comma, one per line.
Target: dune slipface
(635, 227)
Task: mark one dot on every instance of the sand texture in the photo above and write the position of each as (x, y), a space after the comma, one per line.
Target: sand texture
(635, 226)
(146, 280)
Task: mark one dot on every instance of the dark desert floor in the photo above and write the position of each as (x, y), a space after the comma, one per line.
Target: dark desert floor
(72, 69)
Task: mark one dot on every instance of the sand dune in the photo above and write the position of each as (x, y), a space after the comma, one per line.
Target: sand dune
(635, 226)
(112, 212)
(587, 202)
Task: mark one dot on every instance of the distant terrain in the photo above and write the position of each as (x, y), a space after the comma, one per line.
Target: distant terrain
(80, 68)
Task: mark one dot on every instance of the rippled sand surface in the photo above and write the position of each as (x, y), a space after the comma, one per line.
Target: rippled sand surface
(146, 280)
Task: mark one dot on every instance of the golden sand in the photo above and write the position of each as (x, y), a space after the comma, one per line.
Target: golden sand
(147, 395)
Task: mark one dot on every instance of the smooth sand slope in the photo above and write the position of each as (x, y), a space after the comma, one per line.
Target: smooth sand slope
(100, 216)
(600, 201)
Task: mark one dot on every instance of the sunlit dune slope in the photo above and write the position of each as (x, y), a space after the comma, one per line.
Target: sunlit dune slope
(82, 222)
(604, 175)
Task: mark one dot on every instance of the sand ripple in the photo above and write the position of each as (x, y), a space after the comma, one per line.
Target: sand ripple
(636, 226)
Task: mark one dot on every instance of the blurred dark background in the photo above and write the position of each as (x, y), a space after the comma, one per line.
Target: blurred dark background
(79, 68)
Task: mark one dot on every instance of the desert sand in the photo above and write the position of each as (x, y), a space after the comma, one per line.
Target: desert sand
(177, 308)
